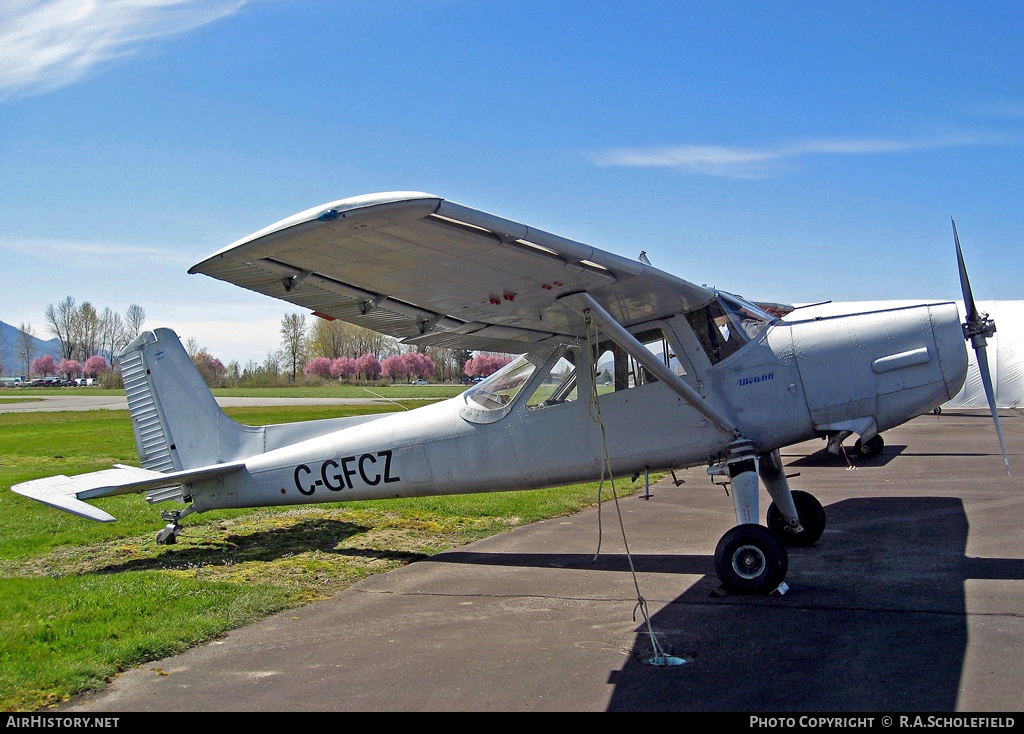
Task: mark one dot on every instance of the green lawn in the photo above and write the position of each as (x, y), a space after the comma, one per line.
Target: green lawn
(296, 391)
(80, 600)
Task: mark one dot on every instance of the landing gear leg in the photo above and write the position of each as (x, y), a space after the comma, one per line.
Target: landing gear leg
(169, 535)
(749, 559)
(796, 517)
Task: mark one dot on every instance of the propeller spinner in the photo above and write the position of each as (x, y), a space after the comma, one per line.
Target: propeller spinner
(977, 329)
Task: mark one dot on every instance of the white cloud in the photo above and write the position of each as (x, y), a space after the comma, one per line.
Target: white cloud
(745, 162)
(48, 44)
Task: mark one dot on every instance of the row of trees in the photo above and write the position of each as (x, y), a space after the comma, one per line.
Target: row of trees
(411, 365)
(84, 332)
(69, 368)
(90, 342)
(340, 350)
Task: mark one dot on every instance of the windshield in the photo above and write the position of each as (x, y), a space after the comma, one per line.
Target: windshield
(500, 389)
(726, 324)
(746, 315)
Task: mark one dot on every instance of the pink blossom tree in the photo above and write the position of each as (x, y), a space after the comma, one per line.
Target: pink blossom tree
(70, 368)
(343, 367)
(320, 366)
(368, 366)
(394, 368)
(94, 365)
(420, 365)
(484, 365)
(45, 365)
(211, 369)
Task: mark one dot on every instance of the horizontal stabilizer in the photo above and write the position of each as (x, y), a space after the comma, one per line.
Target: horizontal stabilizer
(66, 493)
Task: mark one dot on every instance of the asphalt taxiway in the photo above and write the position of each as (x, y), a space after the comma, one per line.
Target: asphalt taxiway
(912, 600)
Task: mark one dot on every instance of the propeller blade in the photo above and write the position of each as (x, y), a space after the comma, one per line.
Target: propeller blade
(990, 394)
(977, 329)
(965, 284)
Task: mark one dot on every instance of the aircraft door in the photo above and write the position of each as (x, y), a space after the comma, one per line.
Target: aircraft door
(557, 437)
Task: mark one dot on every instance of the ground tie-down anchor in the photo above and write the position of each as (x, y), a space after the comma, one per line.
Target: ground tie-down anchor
(666, 661)
(660, 659)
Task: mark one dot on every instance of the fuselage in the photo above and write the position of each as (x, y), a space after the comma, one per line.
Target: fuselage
(787, 382)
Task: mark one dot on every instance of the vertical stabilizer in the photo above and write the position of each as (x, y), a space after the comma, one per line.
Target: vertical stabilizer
(176, 421)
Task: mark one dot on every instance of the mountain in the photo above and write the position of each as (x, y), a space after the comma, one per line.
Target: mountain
(11, 360)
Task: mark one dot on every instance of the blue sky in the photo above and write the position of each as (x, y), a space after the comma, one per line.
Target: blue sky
(785, 151)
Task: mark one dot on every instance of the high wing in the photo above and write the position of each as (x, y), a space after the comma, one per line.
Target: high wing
(435, 273)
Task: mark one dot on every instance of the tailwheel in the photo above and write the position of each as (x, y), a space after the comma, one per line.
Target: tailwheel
(750, 559)
(866, 450)
(812, 520)
(169, 535)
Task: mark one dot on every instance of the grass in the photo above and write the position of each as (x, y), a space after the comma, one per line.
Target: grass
(81, 601)
(295, 391)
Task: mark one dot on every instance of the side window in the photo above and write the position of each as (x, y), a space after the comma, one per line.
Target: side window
(501, 388)
(716, 333)
(559, 385)
(617, 370)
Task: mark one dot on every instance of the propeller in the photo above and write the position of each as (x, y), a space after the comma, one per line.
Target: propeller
(977, 329)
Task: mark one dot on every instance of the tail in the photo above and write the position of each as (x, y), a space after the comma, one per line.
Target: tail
(181, 434)
(176, 421)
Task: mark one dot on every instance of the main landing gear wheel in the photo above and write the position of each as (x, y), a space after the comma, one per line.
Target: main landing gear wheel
(750, 559)
(869, 449)
(812, 520)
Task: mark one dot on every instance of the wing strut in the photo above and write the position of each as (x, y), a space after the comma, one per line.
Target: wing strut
(584, 304)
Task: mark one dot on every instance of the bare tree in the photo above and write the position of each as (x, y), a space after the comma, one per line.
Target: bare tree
(85, 332)
(111, 334)
(134, 318)
(328, 338)
(60, 322)
(192, 347)
(293, 341)
(26, 344)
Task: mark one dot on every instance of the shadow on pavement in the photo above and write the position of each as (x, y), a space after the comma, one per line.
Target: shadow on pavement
(875, 621)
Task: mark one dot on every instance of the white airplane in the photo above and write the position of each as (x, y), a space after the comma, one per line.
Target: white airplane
(624, 369)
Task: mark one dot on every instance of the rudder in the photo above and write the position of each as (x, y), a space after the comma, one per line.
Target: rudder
(175, 419)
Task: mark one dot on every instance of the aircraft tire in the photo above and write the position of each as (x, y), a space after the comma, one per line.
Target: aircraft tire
(869, 449)
(812, 519)
(750, 559)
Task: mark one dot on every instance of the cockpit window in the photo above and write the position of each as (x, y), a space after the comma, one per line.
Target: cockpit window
(558, 385)
(501, 388)
(726, 324)
(617, 370)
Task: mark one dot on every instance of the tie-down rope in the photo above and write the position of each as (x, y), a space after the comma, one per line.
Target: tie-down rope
(594, 407)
